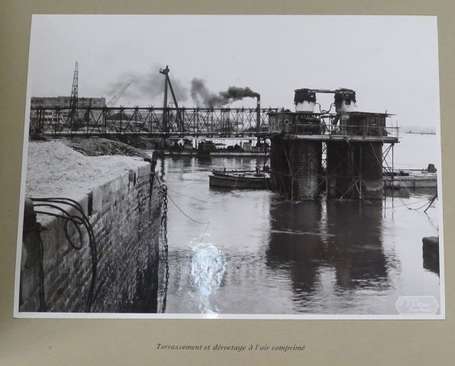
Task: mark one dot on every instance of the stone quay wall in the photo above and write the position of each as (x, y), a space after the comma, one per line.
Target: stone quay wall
(125, 214)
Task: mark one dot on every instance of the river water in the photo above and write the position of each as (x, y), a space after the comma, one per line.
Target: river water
(250, 252)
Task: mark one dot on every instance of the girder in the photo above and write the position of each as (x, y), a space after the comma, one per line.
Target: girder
(149, 120)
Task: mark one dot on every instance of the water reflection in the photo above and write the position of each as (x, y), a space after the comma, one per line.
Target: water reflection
(357, 245)
(295, 242)
(280, 257)
(312, 238)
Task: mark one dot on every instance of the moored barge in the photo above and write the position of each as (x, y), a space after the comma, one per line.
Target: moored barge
(411, 179)
(239, 179)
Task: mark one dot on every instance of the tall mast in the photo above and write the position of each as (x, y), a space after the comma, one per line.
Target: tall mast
(74, 93)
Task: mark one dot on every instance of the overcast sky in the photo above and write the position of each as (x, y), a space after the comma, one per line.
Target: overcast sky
(391, 62)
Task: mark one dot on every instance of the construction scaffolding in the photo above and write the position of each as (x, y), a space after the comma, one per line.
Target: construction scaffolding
(339, 153)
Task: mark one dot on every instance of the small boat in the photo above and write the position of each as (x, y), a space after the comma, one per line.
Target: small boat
(411, 179)
(239, 179)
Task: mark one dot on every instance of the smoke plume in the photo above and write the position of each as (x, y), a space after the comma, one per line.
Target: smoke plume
(144, 86)
(202, 96)
(148, 86)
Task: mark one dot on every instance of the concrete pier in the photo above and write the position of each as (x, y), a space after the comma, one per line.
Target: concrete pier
(296, 167)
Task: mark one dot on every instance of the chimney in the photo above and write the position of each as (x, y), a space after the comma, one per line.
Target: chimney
(304, 100)
(258, 114)
(345, 100)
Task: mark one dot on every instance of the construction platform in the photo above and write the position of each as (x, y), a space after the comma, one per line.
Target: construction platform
(346, 138)
(340, 152)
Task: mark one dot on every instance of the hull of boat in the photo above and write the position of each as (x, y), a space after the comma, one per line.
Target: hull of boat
(411, 181)
(238, 182)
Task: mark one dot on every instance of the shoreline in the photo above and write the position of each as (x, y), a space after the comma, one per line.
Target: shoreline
(216, 154)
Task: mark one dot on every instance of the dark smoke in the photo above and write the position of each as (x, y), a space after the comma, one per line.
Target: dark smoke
(202, 96)
(146, 86)
(236, 93)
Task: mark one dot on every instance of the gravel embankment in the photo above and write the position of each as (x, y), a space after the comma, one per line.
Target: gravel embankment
(54, 169)
(96, 146)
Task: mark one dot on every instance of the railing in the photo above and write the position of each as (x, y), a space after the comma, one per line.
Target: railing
(321, 128)
(364, 130)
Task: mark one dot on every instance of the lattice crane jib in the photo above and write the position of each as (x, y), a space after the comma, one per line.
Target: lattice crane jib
(74, 89)
(168, 86)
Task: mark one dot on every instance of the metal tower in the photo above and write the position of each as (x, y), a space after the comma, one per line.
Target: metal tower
(167, 84)
(74, 93)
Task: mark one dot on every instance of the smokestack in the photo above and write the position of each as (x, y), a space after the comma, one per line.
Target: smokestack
(345, 100)
(258, 113)
(304, 100)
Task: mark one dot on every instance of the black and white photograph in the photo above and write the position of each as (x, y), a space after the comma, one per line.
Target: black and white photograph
(226, 166)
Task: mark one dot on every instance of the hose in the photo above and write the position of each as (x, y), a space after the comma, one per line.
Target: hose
(77, 222)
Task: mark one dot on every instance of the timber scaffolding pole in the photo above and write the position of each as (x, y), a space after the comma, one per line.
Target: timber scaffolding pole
(376, 154)
(357, 182)
(383, 161)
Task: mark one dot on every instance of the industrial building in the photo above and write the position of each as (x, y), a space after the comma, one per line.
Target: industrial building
(57, 109)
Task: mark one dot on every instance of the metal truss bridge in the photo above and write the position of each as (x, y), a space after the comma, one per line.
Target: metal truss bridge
(150, 121)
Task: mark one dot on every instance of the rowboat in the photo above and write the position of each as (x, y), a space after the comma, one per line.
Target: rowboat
(239, 179)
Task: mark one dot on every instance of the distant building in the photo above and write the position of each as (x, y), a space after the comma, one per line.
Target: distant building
(64, 102)
(54, 116)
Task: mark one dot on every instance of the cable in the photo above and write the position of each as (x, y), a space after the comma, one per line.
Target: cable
(431, 202)
(407, 205)
(185, 214)
(187, 196)
(165, 198)
(163, 232)
(166, 189)
(77, 221)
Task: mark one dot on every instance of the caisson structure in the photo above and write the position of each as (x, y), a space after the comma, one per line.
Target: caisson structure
(341, 152)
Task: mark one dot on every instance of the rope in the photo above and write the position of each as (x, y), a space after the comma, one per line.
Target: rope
(187, 196)
(185, 214)
(407, 205)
